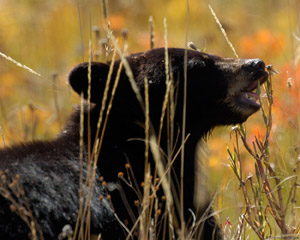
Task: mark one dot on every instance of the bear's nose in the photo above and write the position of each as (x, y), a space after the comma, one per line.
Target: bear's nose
(256, 63)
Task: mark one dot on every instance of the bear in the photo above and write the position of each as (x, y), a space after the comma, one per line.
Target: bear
(204, 91)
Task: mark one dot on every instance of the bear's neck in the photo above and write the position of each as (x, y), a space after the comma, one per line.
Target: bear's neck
(123, 142)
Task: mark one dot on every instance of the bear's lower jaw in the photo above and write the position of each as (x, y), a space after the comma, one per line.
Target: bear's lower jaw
(246, 104)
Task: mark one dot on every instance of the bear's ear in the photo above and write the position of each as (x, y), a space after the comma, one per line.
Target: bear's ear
(78, 79)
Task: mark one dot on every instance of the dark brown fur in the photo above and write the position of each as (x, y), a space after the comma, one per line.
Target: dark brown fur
(50, 170)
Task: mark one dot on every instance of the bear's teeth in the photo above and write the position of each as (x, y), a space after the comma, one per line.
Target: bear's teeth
(250, 97)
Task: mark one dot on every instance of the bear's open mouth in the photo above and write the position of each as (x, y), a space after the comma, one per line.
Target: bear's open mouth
(249, 98)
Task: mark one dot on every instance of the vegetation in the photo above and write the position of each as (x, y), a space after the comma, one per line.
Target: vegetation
(256, 176)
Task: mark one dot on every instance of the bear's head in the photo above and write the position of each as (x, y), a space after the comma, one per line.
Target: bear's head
(220, 91)
(231, 84)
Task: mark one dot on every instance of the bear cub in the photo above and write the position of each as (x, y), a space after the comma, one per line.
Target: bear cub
(219, 91)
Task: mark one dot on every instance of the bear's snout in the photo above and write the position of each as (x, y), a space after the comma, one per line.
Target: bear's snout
(255, 63)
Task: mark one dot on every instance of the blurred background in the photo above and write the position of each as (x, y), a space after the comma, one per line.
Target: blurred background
(51, 36)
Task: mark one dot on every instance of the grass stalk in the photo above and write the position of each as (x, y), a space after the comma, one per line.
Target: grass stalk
(81, 159)
(55, 98)
(223, 31)
(8, 58)
(182, 220)
(165, 183)
(151, 30)
(80, 29)
(2, 134)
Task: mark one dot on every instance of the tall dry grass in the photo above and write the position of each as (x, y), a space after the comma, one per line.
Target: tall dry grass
(270, 198)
